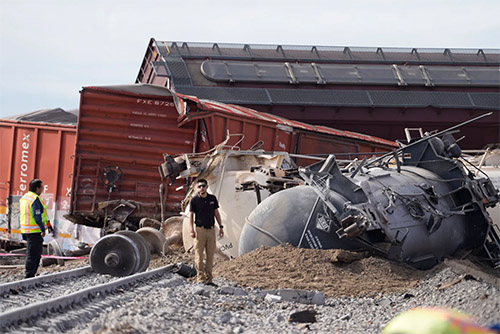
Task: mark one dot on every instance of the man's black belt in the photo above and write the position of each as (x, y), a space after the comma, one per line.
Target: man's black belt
(206, 227)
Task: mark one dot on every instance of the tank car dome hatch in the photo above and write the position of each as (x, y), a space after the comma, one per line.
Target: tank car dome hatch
(425, 208)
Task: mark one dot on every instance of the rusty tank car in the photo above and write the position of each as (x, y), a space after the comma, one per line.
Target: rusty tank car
(418, 205)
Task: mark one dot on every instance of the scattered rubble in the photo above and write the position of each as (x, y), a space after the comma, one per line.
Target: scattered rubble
(267, 289)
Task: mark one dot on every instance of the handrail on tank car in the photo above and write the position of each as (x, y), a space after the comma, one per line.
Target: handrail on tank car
(395, 152)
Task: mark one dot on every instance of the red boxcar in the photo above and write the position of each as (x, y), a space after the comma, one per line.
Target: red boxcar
(123, 132)
(35, 150)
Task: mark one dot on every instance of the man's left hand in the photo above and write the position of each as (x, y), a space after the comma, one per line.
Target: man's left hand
(221, 232)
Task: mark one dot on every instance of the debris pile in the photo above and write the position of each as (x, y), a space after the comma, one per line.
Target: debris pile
(336, 273)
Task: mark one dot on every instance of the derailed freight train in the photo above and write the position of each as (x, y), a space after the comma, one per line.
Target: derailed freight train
(417, 205)
(123, 131)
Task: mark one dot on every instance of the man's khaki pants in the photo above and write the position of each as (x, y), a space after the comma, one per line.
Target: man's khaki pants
(204, 241)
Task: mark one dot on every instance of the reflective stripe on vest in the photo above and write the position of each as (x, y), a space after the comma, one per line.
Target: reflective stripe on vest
(27, 220)
(45, 218)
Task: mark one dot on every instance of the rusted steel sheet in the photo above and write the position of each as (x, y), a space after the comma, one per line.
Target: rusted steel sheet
(36, 150)
(277, 133)
(126, 129)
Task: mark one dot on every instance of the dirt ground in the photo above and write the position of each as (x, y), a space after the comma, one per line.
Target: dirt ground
(336, 273)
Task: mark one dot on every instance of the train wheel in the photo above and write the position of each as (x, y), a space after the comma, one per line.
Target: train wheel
(145, 253)
(156, 240)
(115, 255)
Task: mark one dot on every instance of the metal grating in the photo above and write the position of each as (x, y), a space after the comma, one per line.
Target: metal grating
(486, 100)
(412, 75)
(180, 74)
(421, 99)
(451, 99)
(339, 98)
(483, 76)
(319, 97)
(161, 69)
(397, 99)
(304, 73)
(233, 95)
(328, 53)
(376, 74)
(336, 74)
(447, 76)
(313, 73)
(232, 71)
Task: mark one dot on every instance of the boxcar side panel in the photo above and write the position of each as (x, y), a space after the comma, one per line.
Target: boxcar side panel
(125, 133)
(45, 151)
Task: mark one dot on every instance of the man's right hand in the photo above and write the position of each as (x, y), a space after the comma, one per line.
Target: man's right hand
(50, 229)
(193, 234)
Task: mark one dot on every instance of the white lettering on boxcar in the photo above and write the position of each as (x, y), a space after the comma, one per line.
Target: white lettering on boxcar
(137, 125)
(139, 137)
(156, 103)
(25, 145)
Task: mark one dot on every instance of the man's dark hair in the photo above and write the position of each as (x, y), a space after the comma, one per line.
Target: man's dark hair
(202, 181)
(35, 184)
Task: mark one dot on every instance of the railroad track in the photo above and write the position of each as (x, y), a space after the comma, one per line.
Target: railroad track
(62, 301)
(40, 288)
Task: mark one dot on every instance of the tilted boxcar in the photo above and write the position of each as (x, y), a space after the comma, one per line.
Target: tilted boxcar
(123, 132)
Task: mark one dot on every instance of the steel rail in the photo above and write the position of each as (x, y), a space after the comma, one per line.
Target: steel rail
(22, 314)
(34, 281)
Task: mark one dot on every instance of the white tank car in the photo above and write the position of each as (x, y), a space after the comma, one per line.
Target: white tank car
(239, 180)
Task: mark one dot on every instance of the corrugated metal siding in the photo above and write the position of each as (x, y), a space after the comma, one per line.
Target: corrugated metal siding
(275, 133)
(129, 130)
(313, 143)
(34, 150)
(274, 139)
(275, 122)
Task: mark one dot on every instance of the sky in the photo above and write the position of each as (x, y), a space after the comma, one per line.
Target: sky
(50, 49)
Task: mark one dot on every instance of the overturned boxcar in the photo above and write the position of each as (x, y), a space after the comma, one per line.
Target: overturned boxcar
(123, 132)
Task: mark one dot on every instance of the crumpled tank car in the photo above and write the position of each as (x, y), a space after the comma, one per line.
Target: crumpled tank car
(418, 204)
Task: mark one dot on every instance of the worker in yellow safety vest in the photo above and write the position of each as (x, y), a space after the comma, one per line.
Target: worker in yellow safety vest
(34, 222)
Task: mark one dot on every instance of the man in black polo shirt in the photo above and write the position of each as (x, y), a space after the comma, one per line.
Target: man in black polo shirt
(203, 208)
